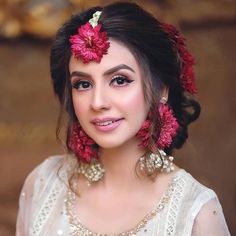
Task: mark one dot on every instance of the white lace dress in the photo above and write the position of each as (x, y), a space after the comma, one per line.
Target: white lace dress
(187, 208)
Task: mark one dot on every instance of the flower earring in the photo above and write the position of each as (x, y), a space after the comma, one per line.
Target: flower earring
(168, 130)
(80, 144)
(168, 127)
(156, 161)
(83, 147)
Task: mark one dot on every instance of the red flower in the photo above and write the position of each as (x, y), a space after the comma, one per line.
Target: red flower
(143, 133)
(169, 126)
(81, 144)
(187, 75)
(89, 43)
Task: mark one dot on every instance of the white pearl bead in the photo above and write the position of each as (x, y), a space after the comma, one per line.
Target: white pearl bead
(59, 232)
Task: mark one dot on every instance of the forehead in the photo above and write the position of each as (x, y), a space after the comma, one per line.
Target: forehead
(117, 54)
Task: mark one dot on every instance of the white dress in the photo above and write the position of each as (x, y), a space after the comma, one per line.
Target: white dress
(187, 208)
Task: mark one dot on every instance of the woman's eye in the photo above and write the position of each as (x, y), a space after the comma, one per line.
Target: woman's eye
(120, 80)
(81, 85)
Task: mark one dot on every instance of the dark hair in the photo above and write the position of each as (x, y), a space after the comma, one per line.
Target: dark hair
(152, 48)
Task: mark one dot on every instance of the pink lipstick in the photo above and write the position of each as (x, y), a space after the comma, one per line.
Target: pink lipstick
(106, 124)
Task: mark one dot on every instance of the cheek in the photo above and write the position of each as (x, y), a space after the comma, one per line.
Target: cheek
(134, 103)
(80, 105)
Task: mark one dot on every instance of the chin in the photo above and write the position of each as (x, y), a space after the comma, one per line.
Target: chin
(109, 142)
(109, 145)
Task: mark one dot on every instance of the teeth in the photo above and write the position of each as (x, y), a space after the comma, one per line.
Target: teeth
(104, 123)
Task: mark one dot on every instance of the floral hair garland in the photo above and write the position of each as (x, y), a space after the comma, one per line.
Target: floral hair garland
(187, 77)
(90, 44)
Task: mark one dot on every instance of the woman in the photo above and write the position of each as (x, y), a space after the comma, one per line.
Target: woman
(124, 79)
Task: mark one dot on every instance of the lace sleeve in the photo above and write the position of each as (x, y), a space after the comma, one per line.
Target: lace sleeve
(25, 202)
(35, 191)
(210, 220)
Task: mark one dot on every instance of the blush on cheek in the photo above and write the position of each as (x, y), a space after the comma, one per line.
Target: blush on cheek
(135, 104)
(78, 112)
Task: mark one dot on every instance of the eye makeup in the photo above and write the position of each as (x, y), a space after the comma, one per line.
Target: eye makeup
(120, 80)
(81, 84)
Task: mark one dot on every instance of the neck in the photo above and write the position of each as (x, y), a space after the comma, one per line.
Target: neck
(120, 165)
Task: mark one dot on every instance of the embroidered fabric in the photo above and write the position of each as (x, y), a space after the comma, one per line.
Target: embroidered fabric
(190, 209)
(45, 211)
(174, 206)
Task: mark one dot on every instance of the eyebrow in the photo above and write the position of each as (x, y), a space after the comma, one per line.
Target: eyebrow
(108, 72)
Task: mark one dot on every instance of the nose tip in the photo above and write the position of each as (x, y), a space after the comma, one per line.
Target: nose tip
(100, 100)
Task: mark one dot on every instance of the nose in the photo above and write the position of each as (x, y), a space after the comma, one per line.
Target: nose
(100, 99)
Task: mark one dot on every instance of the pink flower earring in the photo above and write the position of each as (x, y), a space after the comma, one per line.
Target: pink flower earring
(168, 130)
(169, 125)
(82, 146)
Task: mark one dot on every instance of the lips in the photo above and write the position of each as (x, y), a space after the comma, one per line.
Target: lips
(105, 121)
(107, 124)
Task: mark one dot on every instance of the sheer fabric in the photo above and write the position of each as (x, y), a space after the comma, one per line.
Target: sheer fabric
(192, 208)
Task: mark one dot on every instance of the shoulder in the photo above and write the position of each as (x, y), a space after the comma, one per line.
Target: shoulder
(196, 202)
(210, 220)
(194, 189)
(46, 173)
(48, 167)
(195, 194)
(37, 187)
(50, 164)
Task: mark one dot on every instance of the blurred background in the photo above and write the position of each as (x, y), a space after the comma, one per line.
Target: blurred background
(29, 109)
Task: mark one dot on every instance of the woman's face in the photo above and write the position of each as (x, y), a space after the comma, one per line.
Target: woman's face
(108, 97)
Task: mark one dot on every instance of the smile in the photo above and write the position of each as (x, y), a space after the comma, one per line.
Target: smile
(107, 124)
(104, 123)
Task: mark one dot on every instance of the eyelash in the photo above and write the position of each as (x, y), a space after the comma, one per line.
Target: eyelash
(80, 83)
(121, 78)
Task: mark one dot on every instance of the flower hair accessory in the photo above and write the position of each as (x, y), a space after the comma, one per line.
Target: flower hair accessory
(187, 75)
(90, 44)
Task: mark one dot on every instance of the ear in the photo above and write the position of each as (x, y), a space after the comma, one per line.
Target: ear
(164, 95)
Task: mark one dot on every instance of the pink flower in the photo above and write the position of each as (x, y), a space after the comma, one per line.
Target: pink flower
(89, 43)
(81, 144)
(187, 75)
(169, 126)
(143, 133)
